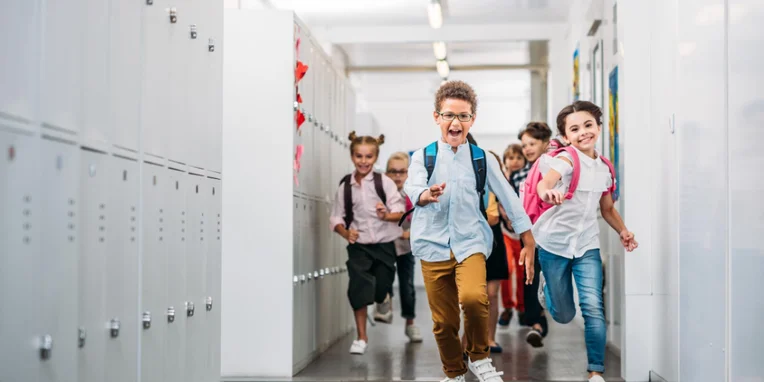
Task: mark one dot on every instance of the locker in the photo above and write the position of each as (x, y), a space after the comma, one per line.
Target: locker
(96, 126)
(155, 228)
(196, 97)
(61, 74)
(211, 47)
(156, 86)
(96, 216)
(121, 299)
(20, 278)
(125, 56)
(60, 198)
(20, 62)
(180, 118)
(214, 274)
(174, 317)
(195, 279)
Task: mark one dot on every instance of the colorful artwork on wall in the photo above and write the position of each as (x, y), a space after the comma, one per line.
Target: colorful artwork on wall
(576, 75)
(613, 130)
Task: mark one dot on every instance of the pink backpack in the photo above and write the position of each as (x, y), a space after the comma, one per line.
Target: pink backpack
(532, 202)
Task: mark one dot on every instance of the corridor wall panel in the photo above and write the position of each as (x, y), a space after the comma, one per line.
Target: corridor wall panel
(18, 98)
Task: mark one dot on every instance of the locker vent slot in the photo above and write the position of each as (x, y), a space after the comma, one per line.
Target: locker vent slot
(174, 161)
(153, 164)
(49, 126)
(212, 177)
(59, 140)
(124, 157)
(176, 169)
(195, 174)
(14, 118)
(126, 149)
(92, 150)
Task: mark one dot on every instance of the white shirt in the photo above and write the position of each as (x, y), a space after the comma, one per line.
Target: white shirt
(571, 229)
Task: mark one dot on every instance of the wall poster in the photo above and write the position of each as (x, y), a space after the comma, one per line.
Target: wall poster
(613, 130)
(576, 75)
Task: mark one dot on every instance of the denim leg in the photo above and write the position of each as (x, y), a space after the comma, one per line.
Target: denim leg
(559, 286)
(406, 284)
(587, 271)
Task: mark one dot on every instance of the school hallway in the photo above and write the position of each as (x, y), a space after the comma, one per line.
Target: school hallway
(390, 356)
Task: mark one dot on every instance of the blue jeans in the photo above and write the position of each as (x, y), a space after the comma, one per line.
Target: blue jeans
(587, 272)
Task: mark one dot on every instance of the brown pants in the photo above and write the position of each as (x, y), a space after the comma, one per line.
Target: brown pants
(448, 283)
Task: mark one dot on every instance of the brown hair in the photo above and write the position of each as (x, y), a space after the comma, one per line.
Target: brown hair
(398, 156)
(501, 165)
(577, 106)
(456, 90)
(514, 148)
(537, 130)
(355, 140)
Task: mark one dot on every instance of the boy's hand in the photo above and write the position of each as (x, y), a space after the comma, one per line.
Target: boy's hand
(381, 210)
(527, 258)
(553, 197)
(406, 235)
(627, 239)
(432, 194)
(352, 236)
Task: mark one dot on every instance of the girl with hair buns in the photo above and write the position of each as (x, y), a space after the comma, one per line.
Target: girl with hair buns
(366, 209)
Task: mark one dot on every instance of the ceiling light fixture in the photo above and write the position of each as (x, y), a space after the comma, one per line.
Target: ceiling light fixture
(439, 47)
(443, 69)
(435, 14)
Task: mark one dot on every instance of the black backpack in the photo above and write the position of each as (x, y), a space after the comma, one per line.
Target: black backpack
(349, 195)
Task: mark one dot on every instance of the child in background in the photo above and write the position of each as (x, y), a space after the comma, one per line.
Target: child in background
(514, 160)
(397, 170)
(568, 232)
(366, 208)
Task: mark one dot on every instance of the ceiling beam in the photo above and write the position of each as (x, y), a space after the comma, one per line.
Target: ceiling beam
(447, 33)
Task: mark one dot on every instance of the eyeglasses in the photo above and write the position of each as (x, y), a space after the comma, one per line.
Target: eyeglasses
(463, 117)
(397, 172)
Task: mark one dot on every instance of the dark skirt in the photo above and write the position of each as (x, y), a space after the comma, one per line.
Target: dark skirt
(496, 266)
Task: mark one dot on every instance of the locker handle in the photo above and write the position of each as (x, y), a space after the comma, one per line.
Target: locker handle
(173, 15)
(81, 336)
(114, 327)
(149, 2)
(146, 320)
(192, 30)
(209, 304)
(211, 45)
(189, 309)
(46, 346)
(171, 314)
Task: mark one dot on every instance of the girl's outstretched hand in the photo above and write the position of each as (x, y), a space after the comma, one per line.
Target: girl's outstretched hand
(627, 239)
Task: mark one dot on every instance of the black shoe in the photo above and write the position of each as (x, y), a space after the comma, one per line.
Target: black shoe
(534, 338)
(496, 349)
(521, 318)
(505, 318)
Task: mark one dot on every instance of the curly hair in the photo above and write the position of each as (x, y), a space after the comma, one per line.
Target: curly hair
(355, 140)
(456, 90)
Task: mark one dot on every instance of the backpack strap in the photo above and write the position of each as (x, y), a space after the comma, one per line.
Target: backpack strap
(430, 155)
(576, 168)
(612, 174)
(479, 165)
(348, 196)
(379, 188)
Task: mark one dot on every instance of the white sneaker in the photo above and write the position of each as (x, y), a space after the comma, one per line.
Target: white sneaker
(597, 378)
(485, 371)
(384, 311)
(457, 379)
(358, 347)
(413, 333)
(540, 294)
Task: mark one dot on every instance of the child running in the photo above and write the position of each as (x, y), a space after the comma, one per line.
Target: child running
(568, 232)
(366, 207)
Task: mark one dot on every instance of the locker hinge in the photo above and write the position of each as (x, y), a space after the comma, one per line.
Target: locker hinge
(46, 346)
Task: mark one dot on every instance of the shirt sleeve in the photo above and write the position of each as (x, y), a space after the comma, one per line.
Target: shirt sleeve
(555, 163)
(493, 205)
(395, 202)
(511, 202)
(416, 183)
(338, 208)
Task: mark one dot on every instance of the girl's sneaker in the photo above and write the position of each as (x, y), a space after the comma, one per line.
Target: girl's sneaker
(597, 378)
(534, 338)
(485, 371)
(384, 311)
(413, 333)
(358, 347)
(457, 379)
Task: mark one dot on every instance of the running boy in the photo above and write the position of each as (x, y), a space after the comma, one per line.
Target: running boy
(451, 236)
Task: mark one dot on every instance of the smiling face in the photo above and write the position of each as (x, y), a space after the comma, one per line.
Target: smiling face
(582, 131)
(532, 147)
(364, 156)
(514, 162)
(454, 132)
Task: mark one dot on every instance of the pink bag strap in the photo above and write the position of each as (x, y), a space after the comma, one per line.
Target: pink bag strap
(576, 169)
(612, 174)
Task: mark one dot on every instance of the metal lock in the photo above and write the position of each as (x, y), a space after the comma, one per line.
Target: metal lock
(173, 15)
(315, 274)
(326, 271)
(146, 320)
(310, 276)
(81, 337)
(211, 45)
(46, 346)
(321, 127)
(192, 31)
(310, 117)
(189, 309)
(296, 105)
(149, 2)
(321, 273)
(296, 279)
(114, 327)
(171, 314)
(209, 304)
(302, 278)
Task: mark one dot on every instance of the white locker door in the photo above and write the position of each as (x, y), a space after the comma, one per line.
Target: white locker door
(96, 126)
(122, 269)
(61, 91)
(125, 56)
(195, 280)
(20, 26)
(197, 108)
(177, 237)
(156, 87)
(214, 274)
(213, 108)
(96, 216)
(60, 169)
(179, 119)
(20, 276)
(154, 270)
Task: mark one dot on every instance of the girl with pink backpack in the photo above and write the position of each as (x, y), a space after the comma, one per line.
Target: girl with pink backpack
(561, 196)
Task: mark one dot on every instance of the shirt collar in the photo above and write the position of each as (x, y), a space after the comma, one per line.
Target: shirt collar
(585, 159)
(445, 146)
(368, 177)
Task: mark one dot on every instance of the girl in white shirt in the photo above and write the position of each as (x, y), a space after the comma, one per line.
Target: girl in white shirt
(568, 234)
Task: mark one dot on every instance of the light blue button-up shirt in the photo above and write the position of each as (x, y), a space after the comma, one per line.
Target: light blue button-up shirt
(455, 223)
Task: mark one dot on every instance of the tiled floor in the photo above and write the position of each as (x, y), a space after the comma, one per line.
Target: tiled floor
(391, 358)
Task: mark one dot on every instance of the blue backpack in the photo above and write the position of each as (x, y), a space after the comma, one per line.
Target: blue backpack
(478, 164)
